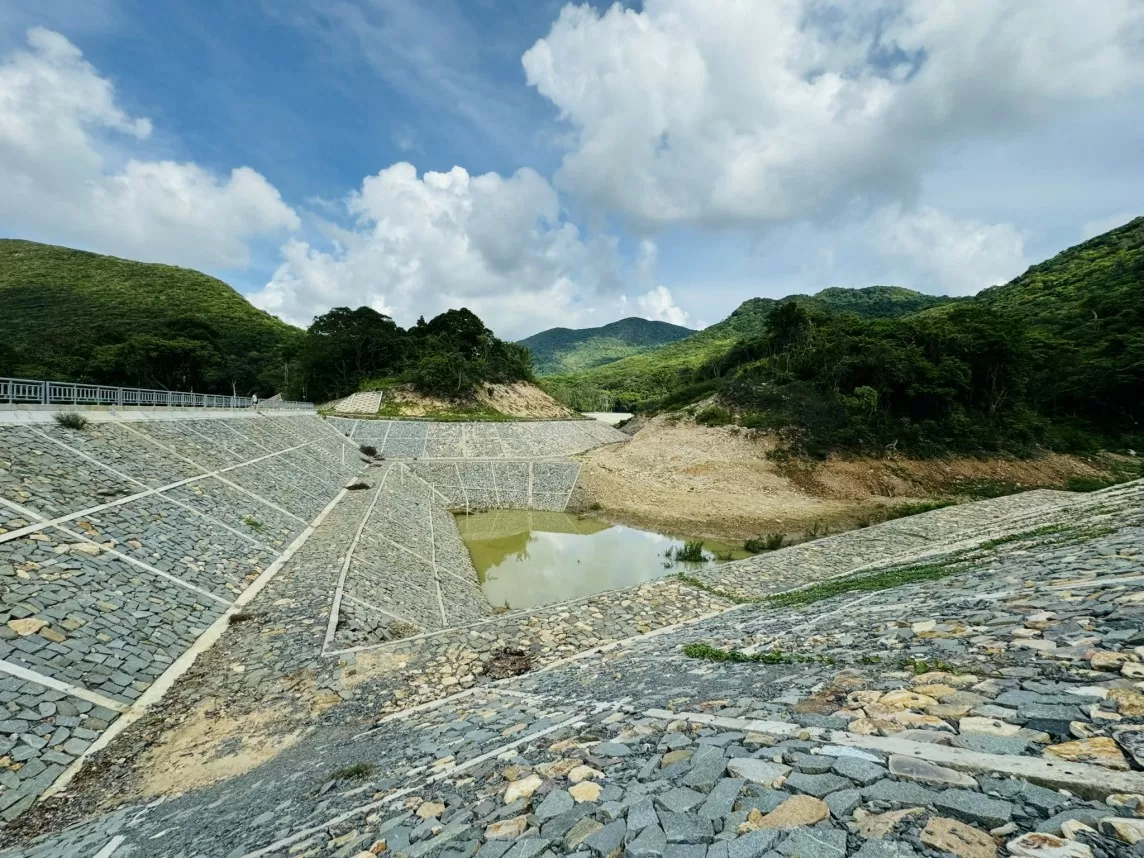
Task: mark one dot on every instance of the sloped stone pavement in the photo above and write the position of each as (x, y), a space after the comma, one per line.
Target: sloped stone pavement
(995, 710)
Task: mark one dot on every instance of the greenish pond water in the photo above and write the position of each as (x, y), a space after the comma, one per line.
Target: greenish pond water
(526, 558)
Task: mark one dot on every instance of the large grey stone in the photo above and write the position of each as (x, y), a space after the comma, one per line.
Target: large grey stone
(907, 794)
(685, 828)
(650, 843)
(973, 807)
(555, 803)
(816, 785)
(757, 771)
(721, 799)
(752, 845)
(608, 838)
(862, 772)
(680, 799)
(642, 814)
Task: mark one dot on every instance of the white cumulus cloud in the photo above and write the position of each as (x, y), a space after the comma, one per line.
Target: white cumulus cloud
(746, 113)
(658, 305)
(419, 245)
(68, 174)
(935, 252)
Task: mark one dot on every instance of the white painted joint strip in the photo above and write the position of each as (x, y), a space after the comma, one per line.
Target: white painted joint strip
(64, 687)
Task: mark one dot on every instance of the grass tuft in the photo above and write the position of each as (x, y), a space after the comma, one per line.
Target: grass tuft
(356, 772)
(769, 542)
(253, 523)
(707, 652)
(883, 580)
(70, 420)
(691, 552)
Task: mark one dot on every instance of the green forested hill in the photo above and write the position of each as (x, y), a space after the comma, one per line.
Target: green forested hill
(1052, 360)
(1084, 310)
(72, 315)
(878, 302)
(636, 380)
(564, 350)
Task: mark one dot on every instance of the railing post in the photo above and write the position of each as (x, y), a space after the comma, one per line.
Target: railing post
(44, 393)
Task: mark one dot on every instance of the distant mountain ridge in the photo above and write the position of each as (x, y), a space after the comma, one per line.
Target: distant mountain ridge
(564, 350)
(652, 373)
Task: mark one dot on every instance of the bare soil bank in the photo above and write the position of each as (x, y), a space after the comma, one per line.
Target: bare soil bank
(717, 482)
(519, 399)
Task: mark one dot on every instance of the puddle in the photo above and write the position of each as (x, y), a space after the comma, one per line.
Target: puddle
(527, 558)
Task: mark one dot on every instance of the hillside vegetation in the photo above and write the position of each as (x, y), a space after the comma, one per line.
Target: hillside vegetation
(76, 316)
(449, 356)
(1053, 360)
(643, 380)
(565, 350)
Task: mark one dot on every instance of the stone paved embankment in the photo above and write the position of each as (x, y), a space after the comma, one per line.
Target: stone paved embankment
(120, 544)
(124, 542)
(996, 709)
(395, 439)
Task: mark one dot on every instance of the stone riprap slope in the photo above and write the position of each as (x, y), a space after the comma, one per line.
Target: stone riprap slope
(367, 402)
(995, 709)
(914, 535)
(396, 439)
(408, 571)
(493, 484)
(120, 544)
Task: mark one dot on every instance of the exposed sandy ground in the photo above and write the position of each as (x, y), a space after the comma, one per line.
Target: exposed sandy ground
(717, 482)
(210, 746)
(519, 399)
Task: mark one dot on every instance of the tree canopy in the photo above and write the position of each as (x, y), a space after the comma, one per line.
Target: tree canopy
(449, 356)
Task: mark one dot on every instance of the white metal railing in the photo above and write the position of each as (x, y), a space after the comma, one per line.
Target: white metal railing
(16, 391)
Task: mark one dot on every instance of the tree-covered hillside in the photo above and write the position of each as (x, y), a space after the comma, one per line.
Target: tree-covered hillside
(76, 316)
(1052, 360)
(564, 350)
(346, 350)
(636, 381)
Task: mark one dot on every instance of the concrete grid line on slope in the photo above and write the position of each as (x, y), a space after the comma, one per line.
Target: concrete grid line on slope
(69, 688)
(183, 663)
(433, 565)
(24, 531)
(217, 521)
(1089, 780)
(138, 482)
(218, 474)
(500, 440)
(336, 602)
(287, 462)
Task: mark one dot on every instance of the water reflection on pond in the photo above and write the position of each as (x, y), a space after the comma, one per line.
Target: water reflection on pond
(527, 558)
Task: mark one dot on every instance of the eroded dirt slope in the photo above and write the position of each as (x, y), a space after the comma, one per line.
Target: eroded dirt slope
(519, 399)
(690, 479)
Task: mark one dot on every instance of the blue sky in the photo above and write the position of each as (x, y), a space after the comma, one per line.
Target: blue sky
(669, 159)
